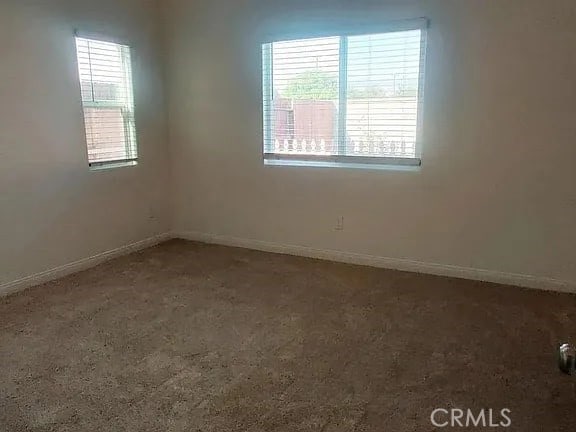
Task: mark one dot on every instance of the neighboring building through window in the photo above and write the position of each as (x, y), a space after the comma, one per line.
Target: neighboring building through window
(349, 98)
(108, 102)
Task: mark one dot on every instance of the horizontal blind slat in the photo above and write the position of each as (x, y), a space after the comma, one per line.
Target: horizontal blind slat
(107, 96)
(383, 73)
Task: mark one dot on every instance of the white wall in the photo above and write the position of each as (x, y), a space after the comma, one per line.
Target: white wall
(497, 187)
(495, 192)
(53, 210)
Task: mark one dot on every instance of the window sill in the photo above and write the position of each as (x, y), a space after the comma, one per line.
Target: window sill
(415, 167)
(104, 166)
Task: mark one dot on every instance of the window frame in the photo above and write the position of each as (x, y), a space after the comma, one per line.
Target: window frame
(127, 109)
(341, 159)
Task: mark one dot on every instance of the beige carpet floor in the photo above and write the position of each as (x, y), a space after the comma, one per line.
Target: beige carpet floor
(193, 337)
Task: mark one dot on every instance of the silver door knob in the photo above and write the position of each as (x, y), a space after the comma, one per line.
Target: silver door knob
(567, 359)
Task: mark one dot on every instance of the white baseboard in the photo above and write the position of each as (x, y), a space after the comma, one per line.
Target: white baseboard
(526, 281)
(83, 264)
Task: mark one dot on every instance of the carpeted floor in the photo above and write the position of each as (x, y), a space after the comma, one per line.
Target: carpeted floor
(194, 337)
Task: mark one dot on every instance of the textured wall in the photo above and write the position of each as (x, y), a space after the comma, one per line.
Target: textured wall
(53, 210)
(496, 188)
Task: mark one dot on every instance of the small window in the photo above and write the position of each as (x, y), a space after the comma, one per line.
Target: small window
(108, 102)
(345, 99)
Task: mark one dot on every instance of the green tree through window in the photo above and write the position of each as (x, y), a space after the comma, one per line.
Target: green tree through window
(312, 85)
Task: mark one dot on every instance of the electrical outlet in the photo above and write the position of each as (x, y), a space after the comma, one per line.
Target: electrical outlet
(151, 213)
(340, 223)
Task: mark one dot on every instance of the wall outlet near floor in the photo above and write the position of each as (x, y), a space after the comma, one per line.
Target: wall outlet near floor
(340, 224)
(152, 214)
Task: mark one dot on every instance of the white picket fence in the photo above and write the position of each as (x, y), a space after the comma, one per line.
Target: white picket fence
(303, 147)
(354, 148)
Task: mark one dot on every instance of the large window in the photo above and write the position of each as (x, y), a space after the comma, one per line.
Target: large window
(346, 99)
(108, 102)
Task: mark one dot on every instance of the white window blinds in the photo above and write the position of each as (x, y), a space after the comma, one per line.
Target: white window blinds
(350, 98)
(108, 102)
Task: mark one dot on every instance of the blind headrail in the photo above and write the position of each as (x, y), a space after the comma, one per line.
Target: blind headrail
(103, 37)
(298, 30)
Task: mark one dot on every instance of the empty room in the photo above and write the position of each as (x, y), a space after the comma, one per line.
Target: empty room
(267, 215)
